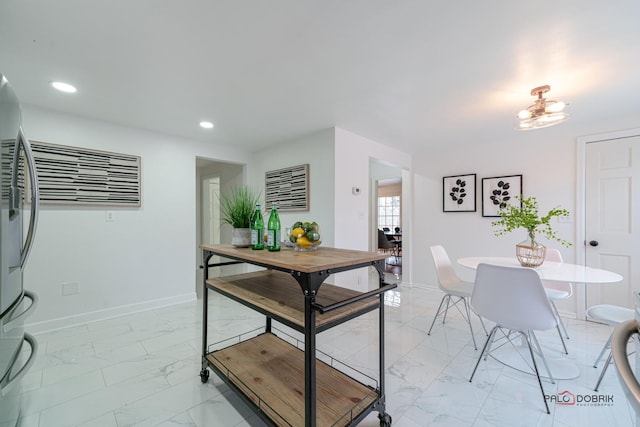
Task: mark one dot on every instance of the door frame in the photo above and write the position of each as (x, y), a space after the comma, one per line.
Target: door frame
(580, 218)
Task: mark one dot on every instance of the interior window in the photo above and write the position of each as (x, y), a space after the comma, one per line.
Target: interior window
(389, 212)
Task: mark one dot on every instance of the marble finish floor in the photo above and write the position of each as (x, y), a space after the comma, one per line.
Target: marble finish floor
(143, 370)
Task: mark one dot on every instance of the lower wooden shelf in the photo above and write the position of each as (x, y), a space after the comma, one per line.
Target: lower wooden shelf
(270, 372)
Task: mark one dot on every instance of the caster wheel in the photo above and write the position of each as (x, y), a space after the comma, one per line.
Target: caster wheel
(385, 420)
(204, 375)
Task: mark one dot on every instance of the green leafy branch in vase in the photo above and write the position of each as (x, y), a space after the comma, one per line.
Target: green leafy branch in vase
(526, 216)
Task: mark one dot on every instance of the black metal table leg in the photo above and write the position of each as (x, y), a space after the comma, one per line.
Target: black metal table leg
(204, 372)
(310, 360)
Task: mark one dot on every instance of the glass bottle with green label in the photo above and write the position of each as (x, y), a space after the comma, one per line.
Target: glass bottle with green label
(257, 229)
(273, 230)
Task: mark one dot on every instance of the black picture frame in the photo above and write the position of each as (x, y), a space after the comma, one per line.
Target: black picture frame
(459, 193)
(499, 190)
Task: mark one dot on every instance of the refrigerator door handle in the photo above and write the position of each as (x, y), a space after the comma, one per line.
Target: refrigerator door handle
(17, 319)
(15, 379)
(35, 198)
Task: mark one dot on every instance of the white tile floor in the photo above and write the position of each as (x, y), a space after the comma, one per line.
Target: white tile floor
(142, 369)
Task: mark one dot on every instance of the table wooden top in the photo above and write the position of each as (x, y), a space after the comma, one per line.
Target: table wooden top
(323, 258)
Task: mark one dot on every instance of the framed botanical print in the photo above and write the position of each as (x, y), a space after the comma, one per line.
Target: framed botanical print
(459, 193)
(499, 191)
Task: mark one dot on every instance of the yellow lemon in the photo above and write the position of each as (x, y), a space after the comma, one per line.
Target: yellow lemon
(297, 232)
(303, 242)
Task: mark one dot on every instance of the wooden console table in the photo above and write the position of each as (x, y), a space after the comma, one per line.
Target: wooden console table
(283, 382)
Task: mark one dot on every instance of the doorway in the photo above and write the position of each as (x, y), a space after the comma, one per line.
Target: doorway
(212, 177)
(389, 220)
(389, 209)
(611, 236)
(210, 210)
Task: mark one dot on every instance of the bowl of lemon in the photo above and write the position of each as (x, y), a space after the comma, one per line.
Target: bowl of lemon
(305, 236)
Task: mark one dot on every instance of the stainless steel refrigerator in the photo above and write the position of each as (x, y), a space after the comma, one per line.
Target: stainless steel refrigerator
(18, 218)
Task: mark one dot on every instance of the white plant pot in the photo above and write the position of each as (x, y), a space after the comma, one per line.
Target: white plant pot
(241, 237)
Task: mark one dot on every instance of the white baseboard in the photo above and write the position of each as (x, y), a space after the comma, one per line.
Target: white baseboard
(94, 316)
(426, 286)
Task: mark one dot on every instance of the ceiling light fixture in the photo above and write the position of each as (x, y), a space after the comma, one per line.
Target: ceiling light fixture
(206, 125)
(543, 112)
(64, 87)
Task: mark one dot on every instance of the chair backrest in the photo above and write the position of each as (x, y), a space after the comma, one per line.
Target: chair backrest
(513, 297)
(553, 254)
(383, 242)
(444, 269)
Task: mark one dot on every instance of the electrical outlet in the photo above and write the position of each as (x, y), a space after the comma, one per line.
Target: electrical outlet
(70, 288)
(110, 217)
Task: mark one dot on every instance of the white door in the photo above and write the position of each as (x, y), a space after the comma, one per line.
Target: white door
(211, 210)
(612, 217)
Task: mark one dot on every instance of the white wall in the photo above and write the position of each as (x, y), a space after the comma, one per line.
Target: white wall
(352, 159)
(353, 227)
(145, 257)
(547, 160)
(316, 149)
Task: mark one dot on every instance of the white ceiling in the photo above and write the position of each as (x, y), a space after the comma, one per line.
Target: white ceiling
(410, 74)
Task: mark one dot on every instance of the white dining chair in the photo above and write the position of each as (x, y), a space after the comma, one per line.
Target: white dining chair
(611, 315)
(515, 299)
(557, 291)
(456, 291)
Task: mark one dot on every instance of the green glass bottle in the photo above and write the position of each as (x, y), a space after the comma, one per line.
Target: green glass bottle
(273, 230)
(257, 229)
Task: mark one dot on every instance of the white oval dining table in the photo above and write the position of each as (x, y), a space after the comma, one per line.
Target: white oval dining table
(549, 270)
(560, 367)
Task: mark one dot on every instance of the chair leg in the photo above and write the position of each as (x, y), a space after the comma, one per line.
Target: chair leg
(438, 312)
(604, 369)
(562, 340)
(544, 360)
(481, 321)
(484, 349)
(446, 309)
(535, 367)
(560, 321)
(604, 349)
(468, 319)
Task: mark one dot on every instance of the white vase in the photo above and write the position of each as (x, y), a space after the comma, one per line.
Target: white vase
(241, 237)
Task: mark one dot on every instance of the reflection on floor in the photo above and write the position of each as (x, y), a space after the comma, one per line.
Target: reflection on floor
(143, 369)
(393, 265)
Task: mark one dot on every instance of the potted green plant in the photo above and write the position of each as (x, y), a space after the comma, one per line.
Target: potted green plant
(529, 252)
(236, 209)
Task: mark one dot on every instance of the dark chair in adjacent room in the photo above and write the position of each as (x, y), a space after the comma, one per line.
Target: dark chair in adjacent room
(386, 245)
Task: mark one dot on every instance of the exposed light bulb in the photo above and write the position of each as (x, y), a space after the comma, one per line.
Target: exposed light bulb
(206, 125)
(555, 107)
(524, 114)
(64, 87)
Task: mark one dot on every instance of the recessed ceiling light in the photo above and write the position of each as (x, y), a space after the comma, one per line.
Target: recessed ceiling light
(206, 125)
(64, 87)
